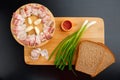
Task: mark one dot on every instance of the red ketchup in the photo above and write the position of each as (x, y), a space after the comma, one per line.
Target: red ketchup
(66, 25)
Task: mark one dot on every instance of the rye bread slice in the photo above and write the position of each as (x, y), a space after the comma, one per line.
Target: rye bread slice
(92, 58)
(108, 59)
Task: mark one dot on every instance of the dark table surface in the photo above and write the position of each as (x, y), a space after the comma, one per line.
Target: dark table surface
(12, 65)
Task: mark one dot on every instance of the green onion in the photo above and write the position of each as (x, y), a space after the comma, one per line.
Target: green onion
(66, 48)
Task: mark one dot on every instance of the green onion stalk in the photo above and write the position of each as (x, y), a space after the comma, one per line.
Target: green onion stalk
(66, 48)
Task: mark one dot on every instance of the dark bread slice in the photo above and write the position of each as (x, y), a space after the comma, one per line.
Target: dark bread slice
(93, 58)
(108, 59)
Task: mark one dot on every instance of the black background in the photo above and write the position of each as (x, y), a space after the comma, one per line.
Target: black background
(12, 66)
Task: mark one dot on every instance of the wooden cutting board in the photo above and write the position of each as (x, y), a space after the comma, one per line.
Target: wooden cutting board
(94, 33)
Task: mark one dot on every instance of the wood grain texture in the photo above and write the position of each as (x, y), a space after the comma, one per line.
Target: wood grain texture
(94, 33)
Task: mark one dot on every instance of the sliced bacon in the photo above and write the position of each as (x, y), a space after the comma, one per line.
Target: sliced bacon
(48, 27)
(17, 22)
(20, 28)
(46, 19)
(27, 41)
(45, 29)
(32, 40)
(42, 8)
(48, 36)
(42, 15)
(17, 29)
(28, 10)
(17, 16)
(22, 35)
(39, 13)
(50, 23)
(22, 13)
(42, 37)
(37, 40)
(51, 30)
(35, 11)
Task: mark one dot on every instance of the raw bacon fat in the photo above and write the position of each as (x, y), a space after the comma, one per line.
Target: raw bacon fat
(20, 30)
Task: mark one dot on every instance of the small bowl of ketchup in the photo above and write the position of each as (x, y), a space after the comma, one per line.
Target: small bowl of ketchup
(66, 25)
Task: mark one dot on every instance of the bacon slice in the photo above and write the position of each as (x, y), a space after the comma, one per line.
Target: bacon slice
(22, 13)
(37, 40)
(30, 39)
(17, 16)
(28, 10)
(45, 19)
(42, 37)
(21, 35)
(17, 29)
(17, 19)
(48, 36)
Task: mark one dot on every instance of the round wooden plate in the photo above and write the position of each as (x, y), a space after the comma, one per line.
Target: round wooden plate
(33, 18)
